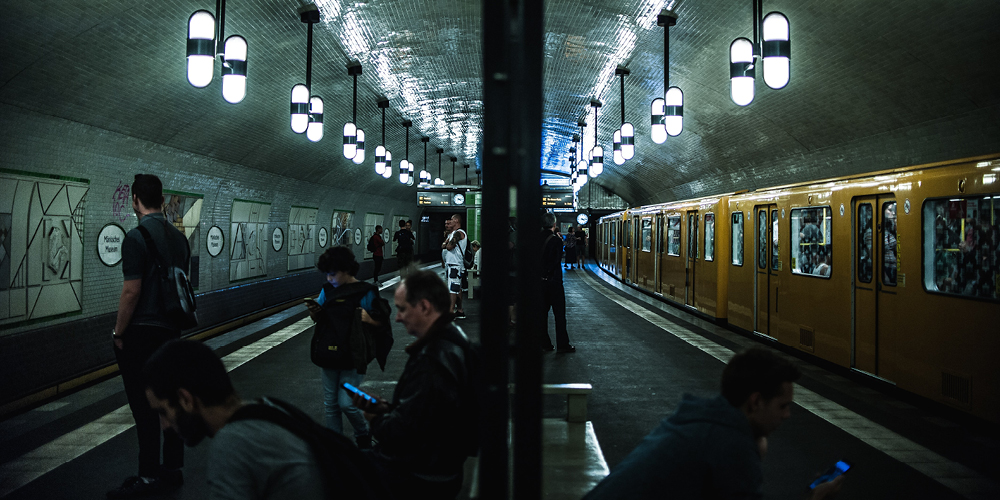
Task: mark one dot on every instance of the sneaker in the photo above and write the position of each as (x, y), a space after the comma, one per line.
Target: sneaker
(460, 315)
(566, 349)
(136, 486)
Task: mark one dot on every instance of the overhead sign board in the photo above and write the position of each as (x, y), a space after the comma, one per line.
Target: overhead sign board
(435, 198)
(552, 198)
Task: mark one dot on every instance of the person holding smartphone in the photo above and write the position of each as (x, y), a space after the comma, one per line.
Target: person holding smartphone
(713, 448)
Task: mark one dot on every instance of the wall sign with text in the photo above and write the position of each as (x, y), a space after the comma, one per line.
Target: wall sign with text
(277, 239)
(109, 244)
(215, 241)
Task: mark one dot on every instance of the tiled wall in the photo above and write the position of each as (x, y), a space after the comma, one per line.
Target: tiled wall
(41, 353)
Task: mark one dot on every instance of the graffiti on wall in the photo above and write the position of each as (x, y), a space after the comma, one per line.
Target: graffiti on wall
(41, 246)
(183, 210)
(121, 203)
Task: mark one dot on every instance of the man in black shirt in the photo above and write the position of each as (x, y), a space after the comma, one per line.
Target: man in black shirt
(141, 328)
(553, 294)
(404, 246)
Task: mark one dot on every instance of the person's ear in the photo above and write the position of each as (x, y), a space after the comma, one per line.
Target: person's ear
(755, 401)
(186, 400)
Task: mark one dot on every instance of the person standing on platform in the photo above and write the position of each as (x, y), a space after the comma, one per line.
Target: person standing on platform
(141, 328)
(553, 293)
(581, 246)
(404, 247)
(713, 448)
(428, 430)
(453, 249)
(376, 245)
(569, 243)
(336, 309)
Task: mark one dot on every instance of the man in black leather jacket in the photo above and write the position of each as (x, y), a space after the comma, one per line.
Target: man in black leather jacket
(423, 436)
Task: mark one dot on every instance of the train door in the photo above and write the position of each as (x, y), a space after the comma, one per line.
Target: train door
(875, 278)
(691, 258)
(767, 266)
(658, 254)
(613, 248)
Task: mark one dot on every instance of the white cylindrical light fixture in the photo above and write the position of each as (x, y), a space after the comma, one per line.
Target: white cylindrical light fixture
(741, 71)
(234, 70)
(597, 163)
(581, 170)
(658, 129)
(380, 160)
(314, 130)
(387, 172)
(359, 156)
(616, 147)
(201, 48)
(300, 108)
(404, 172)
(350, 140)
(776, 50)
(628, 141)
(673, 111)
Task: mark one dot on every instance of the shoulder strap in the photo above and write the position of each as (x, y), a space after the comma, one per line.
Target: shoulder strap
(151, 246)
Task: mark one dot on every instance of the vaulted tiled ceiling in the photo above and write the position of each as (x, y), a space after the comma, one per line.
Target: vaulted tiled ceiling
(875, 84)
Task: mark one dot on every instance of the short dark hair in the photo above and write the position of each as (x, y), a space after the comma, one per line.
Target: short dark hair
(402, 223)
(425, 284)
(756, 370)
(190, 365)
(378, 229)
(338, 258)
(149, 190)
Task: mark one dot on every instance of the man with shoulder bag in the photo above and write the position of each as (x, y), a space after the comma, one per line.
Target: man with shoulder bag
(149, 252)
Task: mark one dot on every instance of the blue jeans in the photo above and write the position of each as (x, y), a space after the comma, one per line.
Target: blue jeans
(337, 400)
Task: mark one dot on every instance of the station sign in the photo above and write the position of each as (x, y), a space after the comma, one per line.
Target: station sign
(557, 198)
(437, 199)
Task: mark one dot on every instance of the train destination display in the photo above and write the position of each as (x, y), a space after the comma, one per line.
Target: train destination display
(435, 199)
(557, 199)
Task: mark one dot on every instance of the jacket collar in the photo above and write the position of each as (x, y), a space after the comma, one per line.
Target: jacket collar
(437, 330)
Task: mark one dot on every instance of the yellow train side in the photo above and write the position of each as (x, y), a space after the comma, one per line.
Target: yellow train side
(866, 271)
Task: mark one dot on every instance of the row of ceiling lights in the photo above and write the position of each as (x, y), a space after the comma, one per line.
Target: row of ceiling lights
(306, 110)
(667, 112)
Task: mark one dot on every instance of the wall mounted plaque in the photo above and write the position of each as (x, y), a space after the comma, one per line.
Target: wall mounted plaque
(109, 244)
(357, 236)
(322, 237)
(215, 241)
(277, 239)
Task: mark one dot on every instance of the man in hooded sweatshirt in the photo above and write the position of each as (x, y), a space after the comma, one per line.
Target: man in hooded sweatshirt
(712, 448)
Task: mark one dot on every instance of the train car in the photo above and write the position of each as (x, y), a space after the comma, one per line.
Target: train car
(611, 229)
(822, 267)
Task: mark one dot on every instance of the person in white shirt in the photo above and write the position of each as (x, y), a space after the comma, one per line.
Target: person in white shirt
(453, 250)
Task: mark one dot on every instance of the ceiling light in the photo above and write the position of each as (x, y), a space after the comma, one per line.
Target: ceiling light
(314, 131)
(202, 50)
(741, 71)
(626, 134)
(383, 158)
(425, 176)
(350, 128)
(234, 69)
(405, 167)
(776, 50)
(597, 154)
(439, 181)
(301, 93)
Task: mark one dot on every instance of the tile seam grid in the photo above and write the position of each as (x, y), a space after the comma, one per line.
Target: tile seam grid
(927, 462)
(61, 450)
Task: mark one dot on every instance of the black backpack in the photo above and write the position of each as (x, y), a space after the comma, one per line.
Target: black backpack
(346, 471)
(469, 257)
(340, 340)
(372, 244)
(176, 293)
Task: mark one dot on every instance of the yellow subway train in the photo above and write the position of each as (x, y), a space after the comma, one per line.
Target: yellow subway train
(893, 274)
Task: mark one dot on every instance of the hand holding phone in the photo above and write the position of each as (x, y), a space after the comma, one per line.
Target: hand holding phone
(359, 392)
(839, 468)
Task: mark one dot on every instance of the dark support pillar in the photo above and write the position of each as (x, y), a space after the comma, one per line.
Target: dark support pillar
(511, 163)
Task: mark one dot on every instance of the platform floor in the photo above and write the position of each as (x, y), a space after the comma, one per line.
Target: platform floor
(639, 354)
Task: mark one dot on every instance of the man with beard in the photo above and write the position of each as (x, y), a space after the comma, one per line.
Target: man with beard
(187, 384)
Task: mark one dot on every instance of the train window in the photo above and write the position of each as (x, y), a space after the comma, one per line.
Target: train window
(889, 243)
(762, 239)
(614, 233)
(737, 234)
(961, 241)
(647, 235)
(692, 252)
(709, 237)
(775, 262)
(865, 243)
(674, 235)
(659, 235)
(812, 244)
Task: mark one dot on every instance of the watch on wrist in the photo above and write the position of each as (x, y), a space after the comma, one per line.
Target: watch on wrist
(115, 334)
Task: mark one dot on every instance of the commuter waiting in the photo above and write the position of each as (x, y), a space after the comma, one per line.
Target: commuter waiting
(266, 450)
(713, 448)
(425, 434)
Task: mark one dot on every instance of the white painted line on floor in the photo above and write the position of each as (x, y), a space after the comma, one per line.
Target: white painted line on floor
(40, 461)
(952, 475)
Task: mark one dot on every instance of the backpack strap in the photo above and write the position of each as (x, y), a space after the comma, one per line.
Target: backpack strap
(151, 247)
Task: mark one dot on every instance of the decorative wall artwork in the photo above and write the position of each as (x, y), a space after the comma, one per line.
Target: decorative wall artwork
(343, 227)
(216, 240)
(109, 244)
(183, 210)
(41, 245)
(248, 234)
(301, 237)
